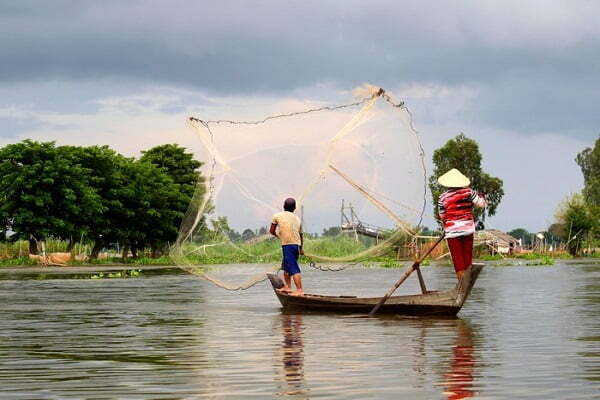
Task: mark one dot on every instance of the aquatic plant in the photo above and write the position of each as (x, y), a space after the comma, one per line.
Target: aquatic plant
(127, 273)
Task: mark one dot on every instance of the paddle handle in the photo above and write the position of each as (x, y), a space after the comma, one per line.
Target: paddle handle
(406, 275)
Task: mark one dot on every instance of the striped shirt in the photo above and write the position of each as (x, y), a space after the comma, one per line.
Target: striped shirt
(455, 207)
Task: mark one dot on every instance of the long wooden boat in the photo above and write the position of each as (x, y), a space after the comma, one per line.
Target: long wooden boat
(448, 302)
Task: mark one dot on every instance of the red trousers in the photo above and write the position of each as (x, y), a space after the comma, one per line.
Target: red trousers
(461, 250)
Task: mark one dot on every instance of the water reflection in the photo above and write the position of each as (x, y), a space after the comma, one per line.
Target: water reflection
(173, 336)
(292, 357)
(458, 380)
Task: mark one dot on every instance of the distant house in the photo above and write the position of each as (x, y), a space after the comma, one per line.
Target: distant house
(498, 241)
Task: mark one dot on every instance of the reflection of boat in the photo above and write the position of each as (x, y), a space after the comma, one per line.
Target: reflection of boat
(448, 302)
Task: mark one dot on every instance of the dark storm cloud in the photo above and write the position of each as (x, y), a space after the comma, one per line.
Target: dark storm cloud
(530, 70)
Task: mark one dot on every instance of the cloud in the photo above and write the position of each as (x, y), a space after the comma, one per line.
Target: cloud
(519, 77)
(522, 61)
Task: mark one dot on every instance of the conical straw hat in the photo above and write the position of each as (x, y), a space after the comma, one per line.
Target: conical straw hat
(454, 178)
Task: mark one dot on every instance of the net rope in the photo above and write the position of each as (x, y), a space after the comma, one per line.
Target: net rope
(222, 172)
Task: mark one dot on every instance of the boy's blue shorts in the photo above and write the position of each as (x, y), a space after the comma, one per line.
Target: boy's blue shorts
(291, 252)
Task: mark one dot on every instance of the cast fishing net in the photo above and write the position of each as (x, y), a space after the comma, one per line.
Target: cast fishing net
(356, 171)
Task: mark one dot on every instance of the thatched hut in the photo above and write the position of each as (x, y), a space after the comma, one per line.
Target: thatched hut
(498, 241)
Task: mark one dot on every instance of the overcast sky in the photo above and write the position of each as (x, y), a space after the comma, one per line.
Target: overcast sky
(519, 77)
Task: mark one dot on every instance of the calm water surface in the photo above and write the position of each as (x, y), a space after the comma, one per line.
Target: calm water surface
(525, 333)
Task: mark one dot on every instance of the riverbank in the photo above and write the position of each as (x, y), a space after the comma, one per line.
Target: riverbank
(399, 264)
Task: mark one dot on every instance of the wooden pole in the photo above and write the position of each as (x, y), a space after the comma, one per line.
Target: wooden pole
(421, 280)
(406, 275)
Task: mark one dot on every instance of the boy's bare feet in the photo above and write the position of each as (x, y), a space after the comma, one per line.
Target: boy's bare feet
(285, 290)
(297, 293)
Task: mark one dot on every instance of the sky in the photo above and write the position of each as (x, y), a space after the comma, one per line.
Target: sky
(521, 78)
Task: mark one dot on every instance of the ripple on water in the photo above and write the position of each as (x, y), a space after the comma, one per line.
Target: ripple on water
(526, 332)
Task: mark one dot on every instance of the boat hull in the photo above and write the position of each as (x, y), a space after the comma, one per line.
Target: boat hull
(444, 303)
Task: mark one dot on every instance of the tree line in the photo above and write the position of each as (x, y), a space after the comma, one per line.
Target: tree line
(578, 217)
(94, 194)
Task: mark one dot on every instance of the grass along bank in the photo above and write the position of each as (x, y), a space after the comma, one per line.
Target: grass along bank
(268, 251)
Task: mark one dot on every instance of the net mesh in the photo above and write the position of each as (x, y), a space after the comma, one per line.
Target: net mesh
(356, 170)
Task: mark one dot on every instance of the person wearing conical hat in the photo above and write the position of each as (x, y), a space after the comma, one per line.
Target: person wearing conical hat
(455, 208)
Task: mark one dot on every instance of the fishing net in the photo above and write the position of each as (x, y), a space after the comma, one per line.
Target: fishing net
(356, 171)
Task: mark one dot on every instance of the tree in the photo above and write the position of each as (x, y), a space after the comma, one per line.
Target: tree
(463, 153)
(523, 234)
(154, 207)
(579, 219)
(221, 228)
(44, 192)
(178, 164)
(557, 230)
(331, 231)
(106, 176)
(589, 162)
(184, 171)
(247, 234)
(425, 231)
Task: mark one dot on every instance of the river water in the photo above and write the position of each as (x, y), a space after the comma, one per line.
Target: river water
(525, 333)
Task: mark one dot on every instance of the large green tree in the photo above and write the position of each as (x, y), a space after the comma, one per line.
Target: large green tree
(154, 205)
(44, 192)
(178, 164)
(184, 171)
(463, 154)
(589, 162)
(72, 192)
(107, 176)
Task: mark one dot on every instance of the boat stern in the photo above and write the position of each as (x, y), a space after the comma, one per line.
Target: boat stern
(464, 286)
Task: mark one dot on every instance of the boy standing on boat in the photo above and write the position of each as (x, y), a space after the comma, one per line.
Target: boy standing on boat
(287, 227)
(455, 208)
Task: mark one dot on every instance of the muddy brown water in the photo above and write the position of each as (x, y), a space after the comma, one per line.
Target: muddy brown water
(525, 333)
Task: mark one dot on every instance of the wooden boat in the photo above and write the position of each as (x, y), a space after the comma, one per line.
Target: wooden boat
(448, 302)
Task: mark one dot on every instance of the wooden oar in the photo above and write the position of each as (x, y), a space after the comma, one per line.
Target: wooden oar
(406, 275)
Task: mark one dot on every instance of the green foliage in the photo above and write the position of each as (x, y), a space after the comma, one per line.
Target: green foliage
(71, 193)
(463, 153)
(578, 217)
(523, 234)
(489, 257)
(558, 230)
(221, 230)
(425, 231)
(128, 273)
(154, 205)
(247, 234)
(543, 260)
(582, 220)
(331, 231)
(334, 246)
(45, 191)
(107, 177)
(178, 164)
(390, 264)
(17, 261)
(589, 162)
(528, 256)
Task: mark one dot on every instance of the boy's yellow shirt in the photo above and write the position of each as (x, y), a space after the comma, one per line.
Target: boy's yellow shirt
(289, 227)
